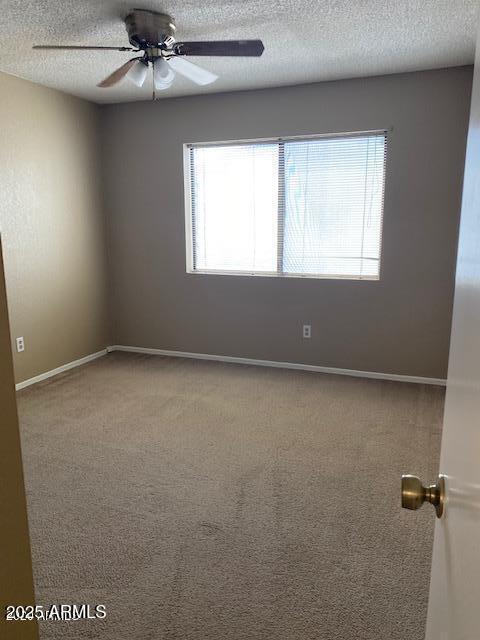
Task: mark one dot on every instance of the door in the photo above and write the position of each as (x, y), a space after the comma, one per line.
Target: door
(454, 605)
(16, 584)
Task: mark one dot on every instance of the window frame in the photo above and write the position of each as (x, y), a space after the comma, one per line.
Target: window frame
(189, 204)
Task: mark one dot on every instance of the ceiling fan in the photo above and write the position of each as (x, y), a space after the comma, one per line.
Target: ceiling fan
(152, 35)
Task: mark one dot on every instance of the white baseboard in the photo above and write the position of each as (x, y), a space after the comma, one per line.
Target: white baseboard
(282, 365)
(64, 367)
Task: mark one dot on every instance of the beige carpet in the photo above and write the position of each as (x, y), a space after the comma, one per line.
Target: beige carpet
(206, 501)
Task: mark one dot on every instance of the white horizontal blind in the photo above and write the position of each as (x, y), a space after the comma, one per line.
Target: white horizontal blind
(333, 206)
(307, 207)
(234, 207)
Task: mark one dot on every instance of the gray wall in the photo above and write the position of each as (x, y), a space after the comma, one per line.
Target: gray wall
(400, 324)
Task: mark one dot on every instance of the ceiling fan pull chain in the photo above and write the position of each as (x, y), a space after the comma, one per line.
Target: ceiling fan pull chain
(154, 95)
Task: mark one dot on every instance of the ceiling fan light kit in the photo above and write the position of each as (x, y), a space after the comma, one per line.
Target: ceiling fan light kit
(163, 75)
(138, 73)
(152, 35)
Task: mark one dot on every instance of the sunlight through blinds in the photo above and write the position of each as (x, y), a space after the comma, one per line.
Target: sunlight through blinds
(296, 207)
(234, 206)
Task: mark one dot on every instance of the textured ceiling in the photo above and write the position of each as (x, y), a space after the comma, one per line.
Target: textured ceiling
(305, 40)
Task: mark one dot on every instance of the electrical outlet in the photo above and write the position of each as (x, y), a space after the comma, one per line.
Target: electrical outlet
(307, 331)
(20, 344)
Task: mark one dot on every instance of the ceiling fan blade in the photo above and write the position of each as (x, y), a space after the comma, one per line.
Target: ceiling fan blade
(118, 74)
(75, 47)
(220, 48)
(192, 71)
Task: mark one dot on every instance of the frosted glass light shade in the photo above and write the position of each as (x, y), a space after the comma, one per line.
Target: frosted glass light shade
(163, 76)
(138, 73)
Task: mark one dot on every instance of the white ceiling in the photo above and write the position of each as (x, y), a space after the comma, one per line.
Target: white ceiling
(305, 40)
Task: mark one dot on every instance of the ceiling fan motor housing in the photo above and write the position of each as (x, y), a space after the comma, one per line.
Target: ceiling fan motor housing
(149, 29)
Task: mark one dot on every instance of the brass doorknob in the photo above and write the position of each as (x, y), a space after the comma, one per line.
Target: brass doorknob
(414, 494)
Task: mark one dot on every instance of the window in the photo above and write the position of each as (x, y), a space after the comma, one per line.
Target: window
(308, 207)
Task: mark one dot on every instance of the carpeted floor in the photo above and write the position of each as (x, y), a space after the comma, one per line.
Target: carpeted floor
(206, 501)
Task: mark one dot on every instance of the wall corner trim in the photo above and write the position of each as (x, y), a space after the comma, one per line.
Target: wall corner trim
(64, 367)
(282, 365)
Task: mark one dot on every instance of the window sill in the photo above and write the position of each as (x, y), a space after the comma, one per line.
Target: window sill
(270, 274)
